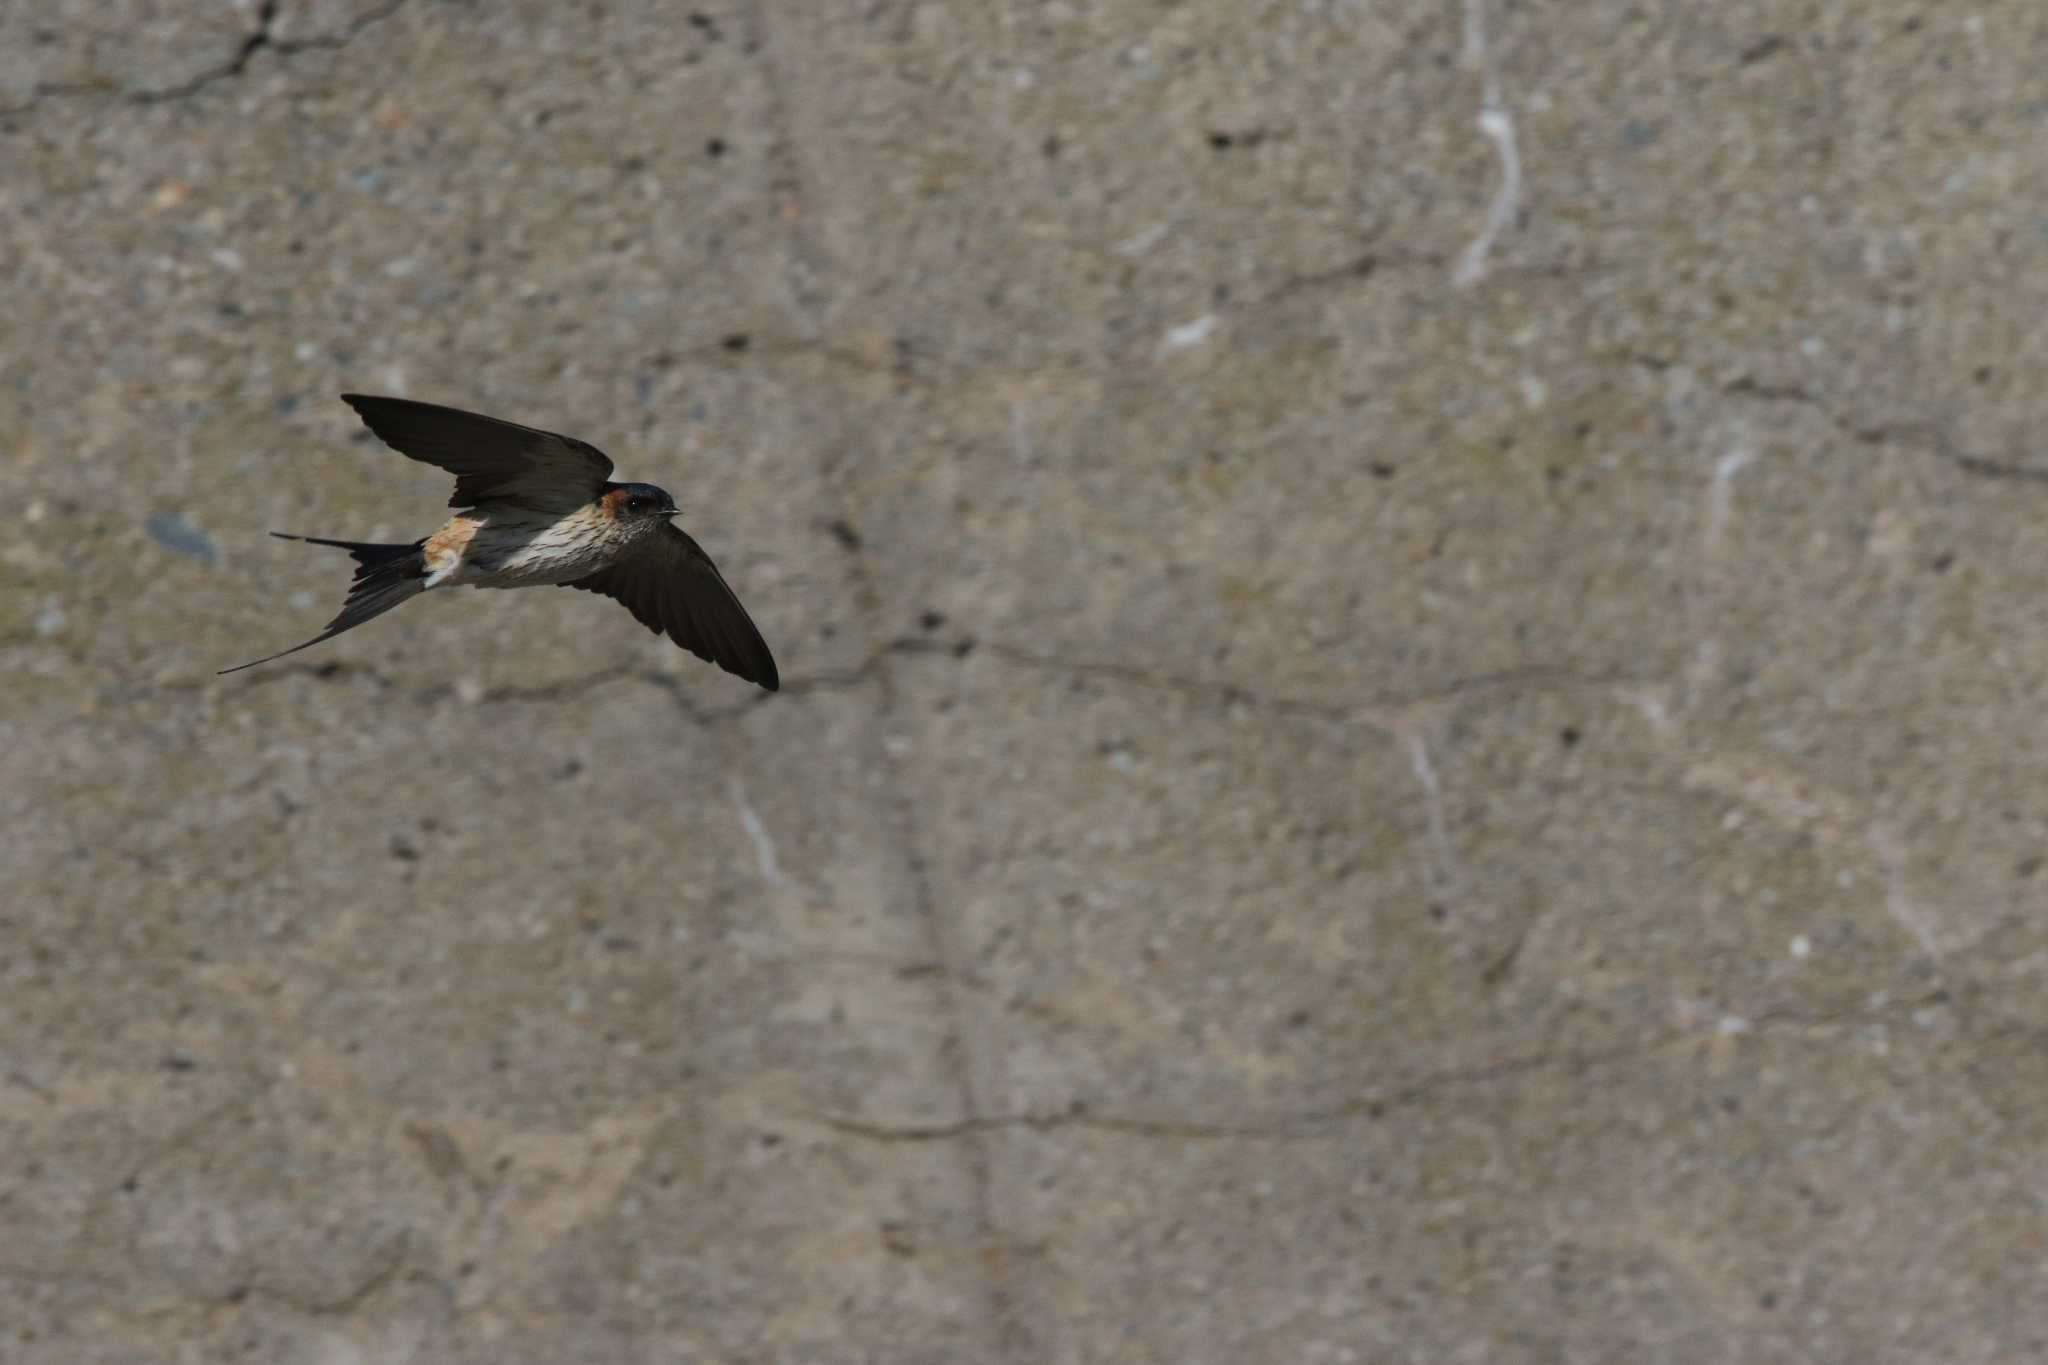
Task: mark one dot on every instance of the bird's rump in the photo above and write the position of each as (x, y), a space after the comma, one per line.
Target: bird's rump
(492, 460)
(672, 587)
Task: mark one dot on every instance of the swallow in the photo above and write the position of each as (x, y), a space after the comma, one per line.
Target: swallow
(535, 508)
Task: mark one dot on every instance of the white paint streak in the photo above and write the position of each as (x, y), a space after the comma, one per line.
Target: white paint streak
(1652, 708)
(1890, 853)
(1716, 512)
(1138, 243)
(764, 846)
(1498, 124)
(1433, 798)
(1793, 802)
(1786, 798)
(1719, 497)
(1190, 333)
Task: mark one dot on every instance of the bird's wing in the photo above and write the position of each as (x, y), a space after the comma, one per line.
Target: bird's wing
(671, 586)
(492, 461)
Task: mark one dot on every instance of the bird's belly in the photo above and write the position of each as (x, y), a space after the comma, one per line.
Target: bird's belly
(530, 556)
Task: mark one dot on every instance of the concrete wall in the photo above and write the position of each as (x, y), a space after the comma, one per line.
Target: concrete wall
(1415, 703)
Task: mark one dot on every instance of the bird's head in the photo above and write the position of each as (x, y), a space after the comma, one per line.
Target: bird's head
(639, 502)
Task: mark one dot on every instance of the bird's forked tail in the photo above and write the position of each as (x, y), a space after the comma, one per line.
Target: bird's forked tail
(386, 576)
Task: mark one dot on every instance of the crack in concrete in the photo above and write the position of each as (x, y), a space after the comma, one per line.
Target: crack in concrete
(560, 689)
(1318, 1123)
(342, 1304)
(676, 685)
(1011, 1335)
(1386, 713)
(1302, 1125)
(1908, 435)
(382, 1273)
(260, 39)
(63, 1278)
(200, 1128)
(909, 367)
(809, 263)
(331, 670)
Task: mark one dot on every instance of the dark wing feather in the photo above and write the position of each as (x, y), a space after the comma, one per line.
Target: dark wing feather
(491, 460)
(672, 587)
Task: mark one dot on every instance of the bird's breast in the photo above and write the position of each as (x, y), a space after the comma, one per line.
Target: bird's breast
(525, 552)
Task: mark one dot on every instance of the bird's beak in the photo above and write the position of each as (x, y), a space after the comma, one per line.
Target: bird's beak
(671, 511)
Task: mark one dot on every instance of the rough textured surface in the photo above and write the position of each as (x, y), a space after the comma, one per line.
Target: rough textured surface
(1415, 713)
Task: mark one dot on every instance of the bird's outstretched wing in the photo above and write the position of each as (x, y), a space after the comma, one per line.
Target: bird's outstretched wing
(492, 461)
(671, 586)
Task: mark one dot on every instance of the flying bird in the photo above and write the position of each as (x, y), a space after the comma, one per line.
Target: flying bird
(534, 508)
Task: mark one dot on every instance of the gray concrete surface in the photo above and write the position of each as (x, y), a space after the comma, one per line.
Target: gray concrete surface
(1415, 723)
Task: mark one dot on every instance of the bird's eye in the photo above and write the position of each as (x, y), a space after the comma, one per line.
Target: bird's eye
(636, 504)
